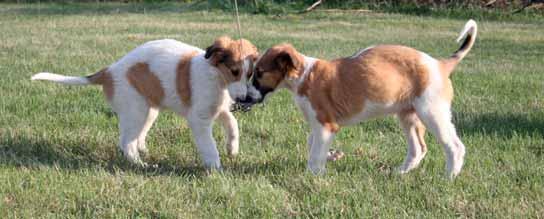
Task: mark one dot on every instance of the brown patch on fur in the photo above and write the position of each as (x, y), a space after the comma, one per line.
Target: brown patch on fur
(146, 83)
(420, 130)
(409, 117)
(332, 127)
(228, 56)
(183, 78)
(103, 77)
(338, 89)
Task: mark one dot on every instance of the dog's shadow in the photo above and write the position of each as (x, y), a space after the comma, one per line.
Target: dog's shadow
(503, 125)
(34, 152)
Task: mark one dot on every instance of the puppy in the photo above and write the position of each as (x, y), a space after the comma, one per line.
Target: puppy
(376, 81)
(187, 80)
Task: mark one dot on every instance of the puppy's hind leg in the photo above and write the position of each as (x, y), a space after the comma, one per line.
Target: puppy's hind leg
(133, 116)
(414, 131)
(151, 117)
(437, 117)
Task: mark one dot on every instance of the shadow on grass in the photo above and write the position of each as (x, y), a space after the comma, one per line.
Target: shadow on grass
(34, 152)
(23, 151)
(506, 126)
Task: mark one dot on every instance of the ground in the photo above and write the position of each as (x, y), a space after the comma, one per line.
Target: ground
(58, 153)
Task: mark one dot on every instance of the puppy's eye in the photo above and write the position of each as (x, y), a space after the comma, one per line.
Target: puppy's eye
(235, 72)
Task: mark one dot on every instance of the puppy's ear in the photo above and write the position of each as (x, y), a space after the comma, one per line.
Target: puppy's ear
(217, 53)
(253, 57)
(287, 61)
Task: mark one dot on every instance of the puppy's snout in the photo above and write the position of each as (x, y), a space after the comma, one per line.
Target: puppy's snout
(241, 100)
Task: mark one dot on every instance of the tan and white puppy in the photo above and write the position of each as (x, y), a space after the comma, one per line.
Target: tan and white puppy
(380, 80)
(187, 80)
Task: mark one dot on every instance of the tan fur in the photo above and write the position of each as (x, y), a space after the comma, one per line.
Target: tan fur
(386, 74)
(228, 55)
(183, 78)
(274, 71)
(146, 83)
(103, 77)
(420, 129)
(446, 67)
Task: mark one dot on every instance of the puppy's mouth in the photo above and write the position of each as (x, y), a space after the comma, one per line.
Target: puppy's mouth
(240, 107)
(245, 104)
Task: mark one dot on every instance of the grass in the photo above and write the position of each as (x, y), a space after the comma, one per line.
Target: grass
(58, 154)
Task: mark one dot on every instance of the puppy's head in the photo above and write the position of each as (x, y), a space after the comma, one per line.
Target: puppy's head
(277, 64)
(234, 59)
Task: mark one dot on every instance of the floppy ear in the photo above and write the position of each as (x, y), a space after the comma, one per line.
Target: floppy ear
(287, 61)
(216, 54)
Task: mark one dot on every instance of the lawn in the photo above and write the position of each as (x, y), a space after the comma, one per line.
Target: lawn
(58, 153)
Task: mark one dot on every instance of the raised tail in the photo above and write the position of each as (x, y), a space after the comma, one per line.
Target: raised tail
(71, 80)
(469, 33)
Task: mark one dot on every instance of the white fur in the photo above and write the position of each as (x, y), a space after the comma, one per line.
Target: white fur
(435, 113)
(239, 89)
(374, 109)
(308, 63)
(210, 98)
(319, 140)
(469, 26)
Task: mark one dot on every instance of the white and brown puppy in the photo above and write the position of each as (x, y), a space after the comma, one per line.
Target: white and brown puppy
(187, 80)
(380, 80)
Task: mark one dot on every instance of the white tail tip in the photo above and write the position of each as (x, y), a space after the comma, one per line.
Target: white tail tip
(71, 80)
(469, 26)
(41, 76)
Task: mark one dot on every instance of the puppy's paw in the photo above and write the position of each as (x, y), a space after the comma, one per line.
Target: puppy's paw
(334, 155)
(143, 150)
(401, 170)
(233, 149)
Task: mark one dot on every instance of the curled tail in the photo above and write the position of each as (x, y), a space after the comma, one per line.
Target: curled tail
(469, 32)
(71, 80)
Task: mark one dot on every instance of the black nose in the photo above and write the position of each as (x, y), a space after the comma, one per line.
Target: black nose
(240, 100)
(256, 84)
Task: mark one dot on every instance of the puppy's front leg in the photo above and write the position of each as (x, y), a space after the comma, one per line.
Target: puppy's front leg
(202, 132)
(321, 140)
(230, 125)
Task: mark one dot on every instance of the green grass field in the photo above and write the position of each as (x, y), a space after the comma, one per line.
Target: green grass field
(59, 159)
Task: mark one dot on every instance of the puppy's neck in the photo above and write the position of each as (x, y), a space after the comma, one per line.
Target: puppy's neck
(294, 83)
